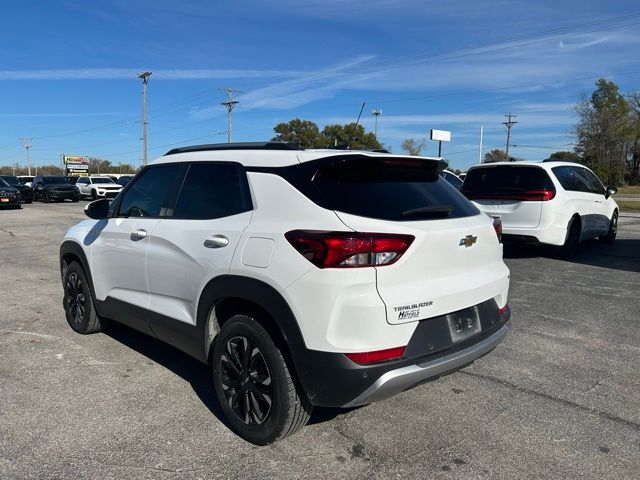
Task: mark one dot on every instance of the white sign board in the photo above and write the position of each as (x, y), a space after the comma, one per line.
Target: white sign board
(440, 135)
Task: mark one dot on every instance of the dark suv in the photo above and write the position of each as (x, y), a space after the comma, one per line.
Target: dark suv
(48, 188)
(9, 196)
(25, 192)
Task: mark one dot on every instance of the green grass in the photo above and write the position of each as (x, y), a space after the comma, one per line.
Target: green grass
(629, 206)
(629, 190)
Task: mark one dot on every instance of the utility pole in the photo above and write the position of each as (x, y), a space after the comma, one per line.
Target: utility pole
(376, 113)
(229, 103)
(480, 149)
(26, 143)
(509, 123)
(144, 76)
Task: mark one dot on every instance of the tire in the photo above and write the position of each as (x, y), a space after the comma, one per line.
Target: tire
(257, 393)
(46, 198)
(613, 229)
(78, 302)
(572, 242)
(94, 196)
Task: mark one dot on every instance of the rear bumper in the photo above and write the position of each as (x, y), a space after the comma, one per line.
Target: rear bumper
(404, 378)
(332, 380)
(553, 234)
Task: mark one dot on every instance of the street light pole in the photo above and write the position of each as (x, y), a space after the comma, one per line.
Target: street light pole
(376, 113)
(144, 76)
(26, 143)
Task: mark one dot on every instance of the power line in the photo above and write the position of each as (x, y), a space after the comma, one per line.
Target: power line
(376, 67)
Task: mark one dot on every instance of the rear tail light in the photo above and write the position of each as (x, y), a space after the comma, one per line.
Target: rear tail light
(349, 249)
(505, 312)
(497, 226)
(367, 358)
(524, 196)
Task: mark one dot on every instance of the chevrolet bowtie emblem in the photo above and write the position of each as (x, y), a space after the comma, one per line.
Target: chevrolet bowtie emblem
(468, 241)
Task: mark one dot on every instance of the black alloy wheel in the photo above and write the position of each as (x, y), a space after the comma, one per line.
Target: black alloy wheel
(246, 380)
(613, 229)
(75, 297)
(255, 388)
(78, 301)
(572, 242)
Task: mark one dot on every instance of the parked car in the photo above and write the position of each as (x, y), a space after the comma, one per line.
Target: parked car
(98, 187)
(48, 188)
(452, 178)
(298, 276)
(26, 193)
(9, 196)
(27, 180)
(555, 203)
(124, 179)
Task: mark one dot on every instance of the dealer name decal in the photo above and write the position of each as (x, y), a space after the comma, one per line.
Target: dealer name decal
(407, 312)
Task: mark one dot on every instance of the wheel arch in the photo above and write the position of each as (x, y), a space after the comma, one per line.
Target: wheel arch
(229, 295)
(72, 251)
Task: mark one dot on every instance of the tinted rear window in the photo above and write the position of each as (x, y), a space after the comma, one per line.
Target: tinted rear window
(505, 180)
(391, 189)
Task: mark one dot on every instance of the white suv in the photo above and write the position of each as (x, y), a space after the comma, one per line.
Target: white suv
(98, 187)
(302, 277)
(556, 203)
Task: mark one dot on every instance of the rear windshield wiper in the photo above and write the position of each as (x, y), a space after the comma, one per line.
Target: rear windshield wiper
(435, 210)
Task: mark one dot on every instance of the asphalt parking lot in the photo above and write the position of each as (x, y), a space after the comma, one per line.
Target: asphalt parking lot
(560, 398)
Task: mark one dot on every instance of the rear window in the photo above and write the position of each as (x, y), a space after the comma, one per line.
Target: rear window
(390, 189)
(505, 180)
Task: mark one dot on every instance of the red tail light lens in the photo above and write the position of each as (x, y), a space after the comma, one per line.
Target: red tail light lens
(525, 196)
(349, 249)
(497, 226)
(367, 358)
(505, 312)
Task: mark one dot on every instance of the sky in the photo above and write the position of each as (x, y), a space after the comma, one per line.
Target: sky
(68, 71)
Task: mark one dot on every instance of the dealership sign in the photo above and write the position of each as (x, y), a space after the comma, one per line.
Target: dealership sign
(440, 135)
(76, 166)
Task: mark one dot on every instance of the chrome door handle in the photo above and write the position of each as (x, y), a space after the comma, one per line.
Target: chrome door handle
(138, 235)
(216, 241)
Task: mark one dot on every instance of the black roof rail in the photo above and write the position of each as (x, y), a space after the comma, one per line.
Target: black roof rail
(235, 146)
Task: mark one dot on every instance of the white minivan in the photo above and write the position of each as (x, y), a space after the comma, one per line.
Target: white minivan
(556, 203)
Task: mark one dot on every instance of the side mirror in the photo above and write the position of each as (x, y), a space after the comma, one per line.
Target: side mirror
(98, 210)
(610, 191)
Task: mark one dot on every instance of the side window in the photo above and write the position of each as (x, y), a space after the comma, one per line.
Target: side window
(149, 194)
(594, 181)
(570, 180)
(213, 190)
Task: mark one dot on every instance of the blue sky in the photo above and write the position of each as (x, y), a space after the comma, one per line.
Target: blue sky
(68, 71)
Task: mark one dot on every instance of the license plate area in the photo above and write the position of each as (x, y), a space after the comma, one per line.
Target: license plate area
(464, 324)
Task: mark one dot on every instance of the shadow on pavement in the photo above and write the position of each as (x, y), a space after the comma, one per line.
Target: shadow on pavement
(188, 368)
(622, 254)
(191, 370)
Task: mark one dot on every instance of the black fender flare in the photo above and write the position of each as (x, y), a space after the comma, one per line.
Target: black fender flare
(259, 293)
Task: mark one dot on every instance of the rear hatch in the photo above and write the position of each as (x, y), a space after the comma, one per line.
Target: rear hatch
(512, 192)
(455, 259)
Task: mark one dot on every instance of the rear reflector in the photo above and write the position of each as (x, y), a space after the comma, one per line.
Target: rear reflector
(349, 249)
(367, 358)
(505, 312)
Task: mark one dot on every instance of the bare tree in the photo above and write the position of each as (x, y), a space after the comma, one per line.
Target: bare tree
(412, 146)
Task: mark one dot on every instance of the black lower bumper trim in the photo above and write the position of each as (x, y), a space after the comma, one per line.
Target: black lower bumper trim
(332, 380)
